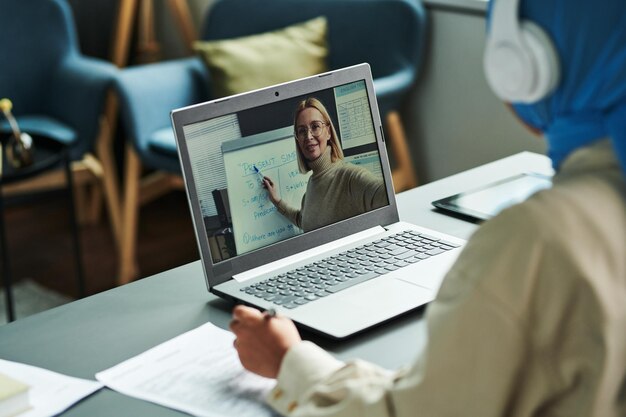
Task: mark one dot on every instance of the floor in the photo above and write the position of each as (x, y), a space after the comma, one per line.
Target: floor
(30, 298)
(40, 243)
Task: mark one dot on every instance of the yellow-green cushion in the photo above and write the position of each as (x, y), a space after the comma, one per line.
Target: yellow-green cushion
(251, 62)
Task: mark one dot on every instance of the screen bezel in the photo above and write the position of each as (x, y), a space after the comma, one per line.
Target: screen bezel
(217, 273)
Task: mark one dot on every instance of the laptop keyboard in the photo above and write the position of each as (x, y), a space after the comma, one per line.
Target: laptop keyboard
(338, 272)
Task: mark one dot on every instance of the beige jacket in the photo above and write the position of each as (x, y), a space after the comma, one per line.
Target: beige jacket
(530, 321)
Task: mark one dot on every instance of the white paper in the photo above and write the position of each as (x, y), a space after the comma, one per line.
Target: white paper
(50, 393)
(197, 372)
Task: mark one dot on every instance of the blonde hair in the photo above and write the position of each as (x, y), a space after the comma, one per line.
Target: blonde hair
(336, 153)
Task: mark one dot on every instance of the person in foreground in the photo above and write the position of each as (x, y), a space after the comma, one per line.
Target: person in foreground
(336, 190)
(531, 320)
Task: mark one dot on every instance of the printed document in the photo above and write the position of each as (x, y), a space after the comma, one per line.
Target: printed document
(197, 372)
(50, 393)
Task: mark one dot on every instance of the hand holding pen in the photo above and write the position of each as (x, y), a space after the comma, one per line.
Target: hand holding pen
(269, 314)
(268, 184)
(262, 339)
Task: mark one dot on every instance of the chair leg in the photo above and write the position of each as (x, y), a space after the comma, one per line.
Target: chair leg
(104, 150)
(128, 243)
(91, 193)
(81, 200)
(95, 203)
(182, 15)
(404, 176)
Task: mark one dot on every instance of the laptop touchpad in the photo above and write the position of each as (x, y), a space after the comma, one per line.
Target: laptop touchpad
(385, 298)
(390, 292)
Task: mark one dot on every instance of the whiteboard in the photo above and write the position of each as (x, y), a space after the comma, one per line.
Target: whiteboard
(256, 221)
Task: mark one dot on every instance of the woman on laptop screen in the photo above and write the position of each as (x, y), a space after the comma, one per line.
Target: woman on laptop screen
(531, 319)
(337, 190)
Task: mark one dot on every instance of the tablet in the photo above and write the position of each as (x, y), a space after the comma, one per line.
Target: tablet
(485, 202)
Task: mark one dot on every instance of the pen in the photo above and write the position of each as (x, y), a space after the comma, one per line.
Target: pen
(270, 313)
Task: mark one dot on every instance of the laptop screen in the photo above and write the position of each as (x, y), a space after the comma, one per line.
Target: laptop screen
(272, 172)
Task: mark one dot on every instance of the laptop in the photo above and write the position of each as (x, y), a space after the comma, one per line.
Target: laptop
(347, 263)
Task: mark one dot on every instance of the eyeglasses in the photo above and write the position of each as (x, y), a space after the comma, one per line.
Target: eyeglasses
(316, 127)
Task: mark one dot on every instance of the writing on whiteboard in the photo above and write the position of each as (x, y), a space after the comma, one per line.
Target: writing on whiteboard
(256, 221)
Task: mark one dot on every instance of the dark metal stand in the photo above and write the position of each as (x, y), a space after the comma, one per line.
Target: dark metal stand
(6, 269)
(51, 154)
(80, 279)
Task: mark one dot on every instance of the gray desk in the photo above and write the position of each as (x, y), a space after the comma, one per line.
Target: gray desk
(95, 333)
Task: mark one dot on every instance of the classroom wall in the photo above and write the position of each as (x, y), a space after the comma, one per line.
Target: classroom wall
(453, 120)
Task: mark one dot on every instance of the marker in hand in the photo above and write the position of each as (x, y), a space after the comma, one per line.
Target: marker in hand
(268, 185)
(259, 173)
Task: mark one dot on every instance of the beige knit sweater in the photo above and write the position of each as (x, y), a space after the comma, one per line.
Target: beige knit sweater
(336, 191)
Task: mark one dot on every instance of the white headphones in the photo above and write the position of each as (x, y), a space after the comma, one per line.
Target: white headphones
(521, 62)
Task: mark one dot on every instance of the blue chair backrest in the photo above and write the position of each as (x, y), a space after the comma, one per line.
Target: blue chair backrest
(37, 35)
(388, 34)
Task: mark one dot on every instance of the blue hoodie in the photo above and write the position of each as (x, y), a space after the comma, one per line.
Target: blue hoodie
(589, 103)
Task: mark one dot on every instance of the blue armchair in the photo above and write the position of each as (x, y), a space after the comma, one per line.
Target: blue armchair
(55, 90)
(388, 34)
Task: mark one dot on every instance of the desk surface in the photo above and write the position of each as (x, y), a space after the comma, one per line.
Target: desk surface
(95, 333)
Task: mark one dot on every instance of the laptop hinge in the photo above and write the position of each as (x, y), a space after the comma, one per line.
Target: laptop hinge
(316, 251)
